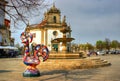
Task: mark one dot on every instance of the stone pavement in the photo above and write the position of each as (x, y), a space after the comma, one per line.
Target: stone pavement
(11, 69)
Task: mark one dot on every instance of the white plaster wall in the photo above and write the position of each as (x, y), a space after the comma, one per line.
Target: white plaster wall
(51, 36)
(44, 38)
(37, 39)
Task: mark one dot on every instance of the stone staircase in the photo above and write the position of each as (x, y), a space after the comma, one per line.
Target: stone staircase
(68, 64)
(98, 62)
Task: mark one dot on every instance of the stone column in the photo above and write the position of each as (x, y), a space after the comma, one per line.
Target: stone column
(42, 36)
(46, 37)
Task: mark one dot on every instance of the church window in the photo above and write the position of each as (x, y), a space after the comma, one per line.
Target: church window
(55, 33)
(54, 19)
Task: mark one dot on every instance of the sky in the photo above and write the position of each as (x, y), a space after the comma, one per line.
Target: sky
(90, 20)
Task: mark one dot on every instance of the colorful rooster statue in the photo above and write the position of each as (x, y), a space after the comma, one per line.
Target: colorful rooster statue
(32, 52)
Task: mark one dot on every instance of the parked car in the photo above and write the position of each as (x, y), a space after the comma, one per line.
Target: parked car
(115, 52)
(101, 52)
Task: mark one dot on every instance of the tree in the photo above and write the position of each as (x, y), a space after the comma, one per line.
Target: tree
(21, 10)
(99, 44)
(89, 46)
(119, 45)
(82, 47)
(115, 44)
(107, 44)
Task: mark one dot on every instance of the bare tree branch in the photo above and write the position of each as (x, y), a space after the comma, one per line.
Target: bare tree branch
(21, 10)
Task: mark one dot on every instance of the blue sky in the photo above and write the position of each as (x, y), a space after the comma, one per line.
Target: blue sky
(90, 20)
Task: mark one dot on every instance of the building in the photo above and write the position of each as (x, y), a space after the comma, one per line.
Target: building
(5, 33)
(50, 29)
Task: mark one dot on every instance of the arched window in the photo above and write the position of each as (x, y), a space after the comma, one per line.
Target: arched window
(54, 19)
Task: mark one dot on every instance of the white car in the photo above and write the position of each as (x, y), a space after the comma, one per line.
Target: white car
(100, 52)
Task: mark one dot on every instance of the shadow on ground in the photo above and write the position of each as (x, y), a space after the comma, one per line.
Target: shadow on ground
(3, 71)
(74, 75)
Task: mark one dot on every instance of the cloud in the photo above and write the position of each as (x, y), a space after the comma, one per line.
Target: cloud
(92, 19)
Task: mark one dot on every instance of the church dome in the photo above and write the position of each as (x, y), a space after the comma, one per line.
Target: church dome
(53, 9)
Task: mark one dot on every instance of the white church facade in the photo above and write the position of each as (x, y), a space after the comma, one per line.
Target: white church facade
(49, 29)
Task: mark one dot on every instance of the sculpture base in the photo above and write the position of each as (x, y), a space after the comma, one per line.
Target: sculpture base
(31, 73)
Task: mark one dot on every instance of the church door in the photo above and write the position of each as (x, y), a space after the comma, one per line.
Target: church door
(55, 46)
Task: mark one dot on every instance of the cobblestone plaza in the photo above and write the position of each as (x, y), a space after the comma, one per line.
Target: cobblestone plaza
(11, 69)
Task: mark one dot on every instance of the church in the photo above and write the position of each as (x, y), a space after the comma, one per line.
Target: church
(49, 30)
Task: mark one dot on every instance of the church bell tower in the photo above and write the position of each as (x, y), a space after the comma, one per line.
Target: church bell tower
(53, 15)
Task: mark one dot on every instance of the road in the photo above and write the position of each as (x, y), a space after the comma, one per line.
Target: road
(11, 70)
